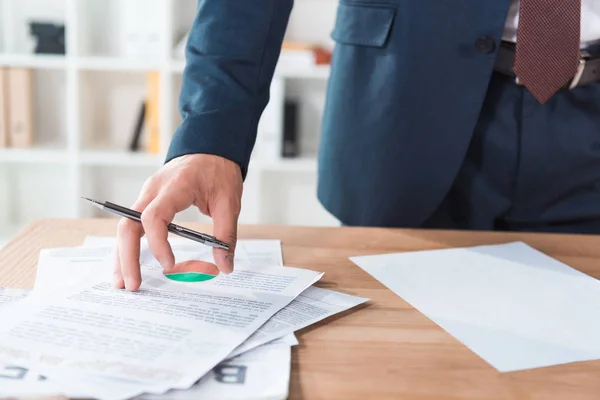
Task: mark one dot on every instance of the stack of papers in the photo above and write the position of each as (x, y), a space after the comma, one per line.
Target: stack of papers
(510, 304)
(222, 337)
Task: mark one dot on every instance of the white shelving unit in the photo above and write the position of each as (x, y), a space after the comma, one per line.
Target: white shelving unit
(87, 102)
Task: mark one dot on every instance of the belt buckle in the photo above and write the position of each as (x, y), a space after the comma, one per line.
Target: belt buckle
(577, 77)
(517, 81)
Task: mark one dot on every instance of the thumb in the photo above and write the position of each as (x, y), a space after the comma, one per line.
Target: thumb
(225, 217)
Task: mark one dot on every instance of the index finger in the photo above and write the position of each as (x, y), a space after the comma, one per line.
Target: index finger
(127, 264)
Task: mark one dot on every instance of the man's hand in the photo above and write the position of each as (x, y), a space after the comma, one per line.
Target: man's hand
(209, 182)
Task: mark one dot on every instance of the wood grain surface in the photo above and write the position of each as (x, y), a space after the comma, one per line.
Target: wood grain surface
(384, 349)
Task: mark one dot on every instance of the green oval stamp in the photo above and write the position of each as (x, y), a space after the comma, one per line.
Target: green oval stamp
(189, 277)
(192, 271)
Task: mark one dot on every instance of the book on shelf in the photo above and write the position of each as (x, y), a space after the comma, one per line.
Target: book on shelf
(152, 117)
(18, 110)
(139, 127)
(290, 130)
(146, 132)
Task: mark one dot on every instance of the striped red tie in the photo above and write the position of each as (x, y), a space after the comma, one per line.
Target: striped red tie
(548, 42)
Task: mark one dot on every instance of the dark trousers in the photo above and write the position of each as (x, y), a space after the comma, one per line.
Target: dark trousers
(529, 167)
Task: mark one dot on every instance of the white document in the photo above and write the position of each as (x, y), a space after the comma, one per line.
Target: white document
(262, 252)
(56, 270)
(255, 251)
(260, 374)
(66, 266)
(311, 306)
(258, 252)
(183, 250)
(168, 334)
(10, 295)
(289, 340)
(189, 250)
(14, 380)
(62, 267)
(17, 381)
(512, 305)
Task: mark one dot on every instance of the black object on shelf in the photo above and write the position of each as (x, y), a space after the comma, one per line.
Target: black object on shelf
(50, 37)
(135, 140)
(290, 130)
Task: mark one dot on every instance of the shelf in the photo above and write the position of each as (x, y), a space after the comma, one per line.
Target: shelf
(119, 158)
(33, 156)
(107, 63)
(303, 164)
(313, 72)
(41, 61)
(100, 63)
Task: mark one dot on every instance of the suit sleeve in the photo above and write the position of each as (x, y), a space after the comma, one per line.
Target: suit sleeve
(231, 54)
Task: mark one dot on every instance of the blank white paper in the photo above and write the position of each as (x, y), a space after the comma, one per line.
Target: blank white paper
(514, 306)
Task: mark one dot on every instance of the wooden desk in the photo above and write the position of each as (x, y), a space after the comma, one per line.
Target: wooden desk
(385, 349)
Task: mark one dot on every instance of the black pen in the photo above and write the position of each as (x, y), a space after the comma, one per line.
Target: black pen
(176, 229)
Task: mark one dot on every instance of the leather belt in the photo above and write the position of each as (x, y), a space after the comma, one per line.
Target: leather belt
(588, 71)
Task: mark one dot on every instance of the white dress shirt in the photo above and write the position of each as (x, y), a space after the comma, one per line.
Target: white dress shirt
(590, 22)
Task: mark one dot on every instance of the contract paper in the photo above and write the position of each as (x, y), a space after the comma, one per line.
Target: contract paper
(255, 251)
(17, 381)
(20, 382)
(167, 334)
(9, 295)
(263, 252)
(311, 306)
(260, 374)
(248, 251)
(514, 306)
(67, 266)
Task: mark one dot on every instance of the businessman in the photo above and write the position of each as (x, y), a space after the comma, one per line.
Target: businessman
(479, 115)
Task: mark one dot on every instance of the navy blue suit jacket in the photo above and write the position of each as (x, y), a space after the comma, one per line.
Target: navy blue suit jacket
(407, 83)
